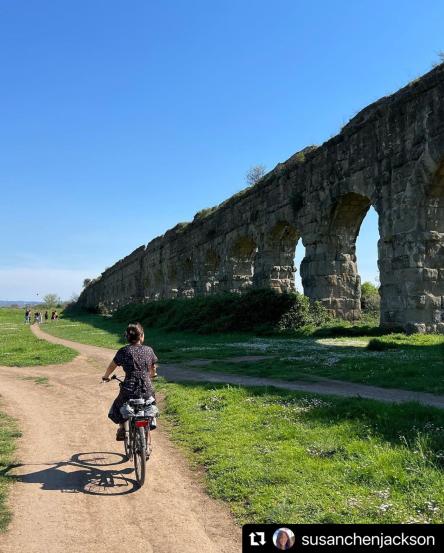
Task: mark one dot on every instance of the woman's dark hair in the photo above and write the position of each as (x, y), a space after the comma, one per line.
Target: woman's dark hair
(134, 332)
(287, 543)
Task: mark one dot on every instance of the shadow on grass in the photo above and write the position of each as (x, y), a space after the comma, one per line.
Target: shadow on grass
(90, 477)
(338, 331)
(329, 330)
(166, 341)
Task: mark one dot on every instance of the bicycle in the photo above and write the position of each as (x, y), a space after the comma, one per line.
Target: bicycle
(137, 443)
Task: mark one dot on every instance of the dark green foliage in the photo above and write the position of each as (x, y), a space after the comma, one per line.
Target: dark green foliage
(379, 345)
(255, 311)
(303, 312)
(370, 300)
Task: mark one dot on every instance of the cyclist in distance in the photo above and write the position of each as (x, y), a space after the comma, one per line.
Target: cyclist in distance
(139, 364)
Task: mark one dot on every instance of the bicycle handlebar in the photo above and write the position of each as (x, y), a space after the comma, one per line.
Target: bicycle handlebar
(113, 377)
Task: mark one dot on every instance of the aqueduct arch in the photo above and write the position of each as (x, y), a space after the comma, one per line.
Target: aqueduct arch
(274, 265)
(390, 156)
(329, 270)
(240, 263)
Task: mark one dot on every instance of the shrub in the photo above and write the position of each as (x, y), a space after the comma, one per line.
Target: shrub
(370, 300)
(204, 213)
(376, 344)
(259, 310)
(303, 312)
(255, 174)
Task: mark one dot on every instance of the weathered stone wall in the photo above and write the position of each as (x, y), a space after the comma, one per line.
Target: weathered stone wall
(389, 156)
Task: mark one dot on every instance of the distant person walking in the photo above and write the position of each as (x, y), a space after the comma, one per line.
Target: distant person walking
(46, 316)
(28, 316)
(54, 316)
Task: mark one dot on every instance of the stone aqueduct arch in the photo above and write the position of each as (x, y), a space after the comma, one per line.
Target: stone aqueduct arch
(389, 156)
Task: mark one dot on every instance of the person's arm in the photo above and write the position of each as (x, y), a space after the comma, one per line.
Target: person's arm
(109, 371)
(153, 370)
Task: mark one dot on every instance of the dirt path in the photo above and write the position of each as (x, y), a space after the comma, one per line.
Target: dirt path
(74, 493)
(316, 385)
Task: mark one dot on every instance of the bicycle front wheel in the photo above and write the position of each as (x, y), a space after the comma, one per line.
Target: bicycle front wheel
(127, 444)
(140, 455)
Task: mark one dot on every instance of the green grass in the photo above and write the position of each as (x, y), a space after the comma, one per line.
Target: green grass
(8, 434)
(394, 360)
(42, 380)
(170, 346)
(274, 455)
(19, 347)
(278, 456)
(413, 362)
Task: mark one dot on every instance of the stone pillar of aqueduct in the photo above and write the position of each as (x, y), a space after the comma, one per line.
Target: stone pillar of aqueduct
(389, 156)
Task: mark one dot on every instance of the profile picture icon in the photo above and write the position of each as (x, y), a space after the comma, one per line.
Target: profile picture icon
(283, 539)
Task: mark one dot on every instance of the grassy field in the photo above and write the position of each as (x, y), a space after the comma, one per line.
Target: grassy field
(278, 456)
(395, 360)
(8, 433)
(18, 347)
(274, 455)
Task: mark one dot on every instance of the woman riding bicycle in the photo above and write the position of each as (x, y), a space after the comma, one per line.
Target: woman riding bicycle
(139, 363)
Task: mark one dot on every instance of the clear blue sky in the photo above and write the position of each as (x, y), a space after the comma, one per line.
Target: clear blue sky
(119, 119)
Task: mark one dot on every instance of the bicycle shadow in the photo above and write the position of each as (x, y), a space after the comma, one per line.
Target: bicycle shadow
(92, 473)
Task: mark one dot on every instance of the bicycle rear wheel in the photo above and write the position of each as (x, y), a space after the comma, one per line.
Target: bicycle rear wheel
(140, 455)
(127, 441)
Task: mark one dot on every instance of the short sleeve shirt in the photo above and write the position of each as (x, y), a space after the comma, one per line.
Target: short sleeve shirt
(135, 360)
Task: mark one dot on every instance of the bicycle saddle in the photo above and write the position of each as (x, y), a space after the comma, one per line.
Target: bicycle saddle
(137, 401)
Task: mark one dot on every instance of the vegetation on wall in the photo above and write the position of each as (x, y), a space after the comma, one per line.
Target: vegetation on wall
(260, 310)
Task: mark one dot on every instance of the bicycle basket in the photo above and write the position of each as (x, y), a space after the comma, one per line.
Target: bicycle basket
(151, 411)
(150, 400)
(126, 411)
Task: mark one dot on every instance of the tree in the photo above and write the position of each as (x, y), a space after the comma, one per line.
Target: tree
(51, 300)
(86, 282)
(255, 173)
(370, 300)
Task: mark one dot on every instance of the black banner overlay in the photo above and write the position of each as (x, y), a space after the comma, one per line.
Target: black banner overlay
(264, 538)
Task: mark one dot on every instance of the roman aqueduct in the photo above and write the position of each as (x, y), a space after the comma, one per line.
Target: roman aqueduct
(389, 156)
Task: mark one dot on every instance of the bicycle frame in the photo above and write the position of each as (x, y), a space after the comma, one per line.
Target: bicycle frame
(131, 425)
(137, 441)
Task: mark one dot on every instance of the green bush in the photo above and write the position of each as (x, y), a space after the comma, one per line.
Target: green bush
(302, 313)
(261, 310)
(370, 300)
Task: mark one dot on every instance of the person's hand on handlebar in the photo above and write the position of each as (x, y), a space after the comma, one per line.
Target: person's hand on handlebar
(109, 371)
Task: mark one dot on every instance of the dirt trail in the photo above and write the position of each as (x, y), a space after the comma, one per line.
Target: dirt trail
(316, 384)
(74, 492)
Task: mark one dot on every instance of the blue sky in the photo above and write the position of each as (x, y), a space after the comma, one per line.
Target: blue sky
(120, 119)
